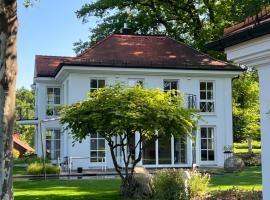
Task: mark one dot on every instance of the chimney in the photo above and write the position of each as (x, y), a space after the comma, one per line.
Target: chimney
(125, 30)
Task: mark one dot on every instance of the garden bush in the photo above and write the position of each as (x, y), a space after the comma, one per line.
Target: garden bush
(37, 169)
(198, 184)
(169, 184)
(251, 160)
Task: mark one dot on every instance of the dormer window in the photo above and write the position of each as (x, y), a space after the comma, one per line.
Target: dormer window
(53, 101)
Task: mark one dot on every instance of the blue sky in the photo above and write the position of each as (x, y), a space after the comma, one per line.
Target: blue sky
(49, 28)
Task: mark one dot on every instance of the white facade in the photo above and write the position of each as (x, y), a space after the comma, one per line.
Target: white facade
(256, 52)
(74, 84)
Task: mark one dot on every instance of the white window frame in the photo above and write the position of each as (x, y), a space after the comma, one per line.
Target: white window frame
(206, 100)
(214, 140)
(51, 141)
(54, 105)
(170, 80)
(97, 79)
(100, 159)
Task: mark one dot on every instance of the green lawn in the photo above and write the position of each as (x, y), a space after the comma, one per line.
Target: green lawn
(250, 178)
(109, 189)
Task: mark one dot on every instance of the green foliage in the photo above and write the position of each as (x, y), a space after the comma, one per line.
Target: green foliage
(194, 22)
(15, 153)
(246, 116)
(169, 184)
(198, 184)
(37, 169)
(121, 112)
(26, 98)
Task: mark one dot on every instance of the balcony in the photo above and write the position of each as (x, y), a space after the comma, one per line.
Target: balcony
(25, 115)
(191, 101)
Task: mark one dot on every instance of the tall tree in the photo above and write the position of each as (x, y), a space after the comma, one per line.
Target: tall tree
(8, 73)
(192, 21)
(117, 113)
(246, 115)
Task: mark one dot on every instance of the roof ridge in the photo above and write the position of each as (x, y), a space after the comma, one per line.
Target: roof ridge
(38, 55)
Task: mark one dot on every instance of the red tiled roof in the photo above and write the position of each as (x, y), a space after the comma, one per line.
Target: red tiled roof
(120, 50)
(262, 17)
(17, 140)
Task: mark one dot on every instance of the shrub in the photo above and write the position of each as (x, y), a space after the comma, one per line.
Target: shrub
(15, 153)
(198, 184)
(169, 184)
(33, 158)
(37, 169)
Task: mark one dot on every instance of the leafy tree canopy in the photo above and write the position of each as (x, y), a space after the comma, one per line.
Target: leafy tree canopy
(246, 114)
(121, 112)
(192, 21)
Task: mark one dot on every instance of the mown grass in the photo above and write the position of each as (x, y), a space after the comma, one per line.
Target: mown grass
(108, 189)
(243, 147)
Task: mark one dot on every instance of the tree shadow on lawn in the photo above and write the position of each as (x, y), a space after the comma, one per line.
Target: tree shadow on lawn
(67, 189)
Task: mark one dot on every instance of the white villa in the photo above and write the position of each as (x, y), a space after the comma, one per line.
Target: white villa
(154, 62)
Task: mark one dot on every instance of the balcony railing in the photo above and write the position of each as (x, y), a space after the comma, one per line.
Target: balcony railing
(24, 113)
(191, 100)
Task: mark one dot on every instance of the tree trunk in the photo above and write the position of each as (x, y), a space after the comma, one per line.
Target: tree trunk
(8, 72)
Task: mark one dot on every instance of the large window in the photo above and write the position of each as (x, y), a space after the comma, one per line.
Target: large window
(149, 152)
(97, 148)
(96, 84)
(180, 150)
(164, 150)
(53, 144)
(170, 85)
(207, 144)
(207, 101)
(53, 101)
(132, 82)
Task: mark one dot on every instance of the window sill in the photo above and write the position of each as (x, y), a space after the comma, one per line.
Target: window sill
(207, 114)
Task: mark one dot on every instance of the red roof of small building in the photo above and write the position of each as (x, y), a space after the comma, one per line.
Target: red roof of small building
(250, 22)
(18, 141)
(119, 50)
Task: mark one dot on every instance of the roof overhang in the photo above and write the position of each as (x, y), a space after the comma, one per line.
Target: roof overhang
(63, 73)
(240, 37)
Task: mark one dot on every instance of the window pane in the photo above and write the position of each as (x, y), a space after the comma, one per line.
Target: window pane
(167, 85)
(101, 154)
(203, 106)
(204, 155)
(202, 95)
(210, 95)
(57, 91)
(211, 155)
(210, 107)
(203, 132)
(180, 150)
(101, 144)
(204, 144)
(174, 85)
(93, 83)
(149, 153)
(164, 151)
(202, 85)
(49, 111)
(93, 144)
(209, 86)
(210, 133)
(210, 144)
(56, 99)
(101, 83)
